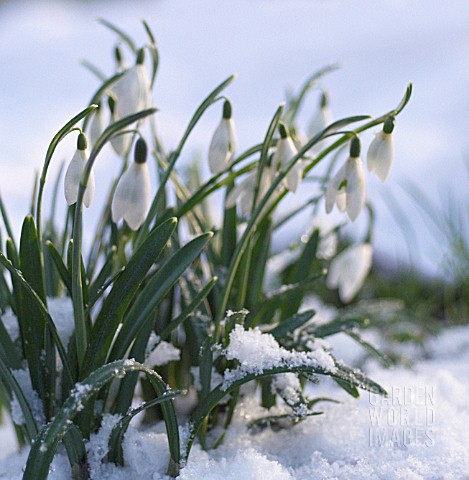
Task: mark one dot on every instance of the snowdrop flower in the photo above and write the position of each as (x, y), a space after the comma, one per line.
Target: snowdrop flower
(322, 118)
(349, 269)
(121, 142)
(381, 151)
(132, 195)
(74, 173)
(223, 145)
(96, 126)
(347, 187)
(244, 191)
(283, 155)
(132, 91)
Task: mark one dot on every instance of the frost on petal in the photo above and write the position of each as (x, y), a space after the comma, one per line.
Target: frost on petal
(222, 147)
(333, 188)
(380, 155)
(355, 188)
(132, 196)
(72, 179)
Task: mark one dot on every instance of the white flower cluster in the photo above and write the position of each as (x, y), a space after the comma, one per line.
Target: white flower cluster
(347, 188)
(130, 94)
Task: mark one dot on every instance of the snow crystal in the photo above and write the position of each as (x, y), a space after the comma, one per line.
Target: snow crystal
(257, 351)
(10, 322)
(164, 353)
(288, 385)
(32, 397)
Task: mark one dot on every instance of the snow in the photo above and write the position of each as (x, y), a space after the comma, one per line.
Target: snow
(32, 397)
(257, 352)
(418, 432)
(61, 311)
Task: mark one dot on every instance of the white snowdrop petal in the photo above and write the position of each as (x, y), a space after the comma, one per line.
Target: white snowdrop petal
(333, 188)
(235, 194)
(380, 155)
(355, 189)
(349, 269)
(294, 176)
(321, 119)
(132, 92)
(96, 126)
(72, 178)
(219, 153)
(119, 200)
(89, 192)
(138, 195)
(122, 143)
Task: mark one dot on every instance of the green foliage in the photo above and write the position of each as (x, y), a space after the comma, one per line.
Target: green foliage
(169, 281)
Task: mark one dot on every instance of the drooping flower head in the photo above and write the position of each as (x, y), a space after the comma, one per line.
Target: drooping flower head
(243, 192)
(349, 269)
(283, 156)
(347, 187)
(97, 125)
(132, 195)
(381, 152)
(322, 118)
(74, 173)
(132, 91)
(121, 142)
(223, 145)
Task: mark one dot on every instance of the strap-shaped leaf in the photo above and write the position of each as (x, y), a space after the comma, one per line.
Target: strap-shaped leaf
(34, 299)
(291, 324)
(338, 325)
(60, 266)
(10, 381)
(155, 291)
(122, 293)
(43, 450)
(116, 453)
(342, 373)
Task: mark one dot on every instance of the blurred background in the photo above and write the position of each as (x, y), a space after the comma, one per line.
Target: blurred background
(272, 45)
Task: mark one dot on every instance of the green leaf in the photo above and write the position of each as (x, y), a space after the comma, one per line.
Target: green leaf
(291, 324)
(209, 100)
(123, 36)
(122, 293)
(373, 351)
(10, 381)
(43, 450)
(60, 266)
(76, 452)
(155, 291)
(189, 310)
(338, 325)
(35, 300)
(205, 366)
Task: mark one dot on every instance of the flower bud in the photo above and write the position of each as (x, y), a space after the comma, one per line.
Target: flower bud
(381, 151)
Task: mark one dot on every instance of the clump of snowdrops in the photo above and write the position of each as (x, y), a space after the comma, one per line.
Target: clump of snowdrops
(165, 303)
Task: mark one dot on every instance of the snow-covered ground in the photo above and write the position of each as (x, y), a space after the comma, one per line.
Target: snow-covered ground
(418, 432)
(270, 44)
